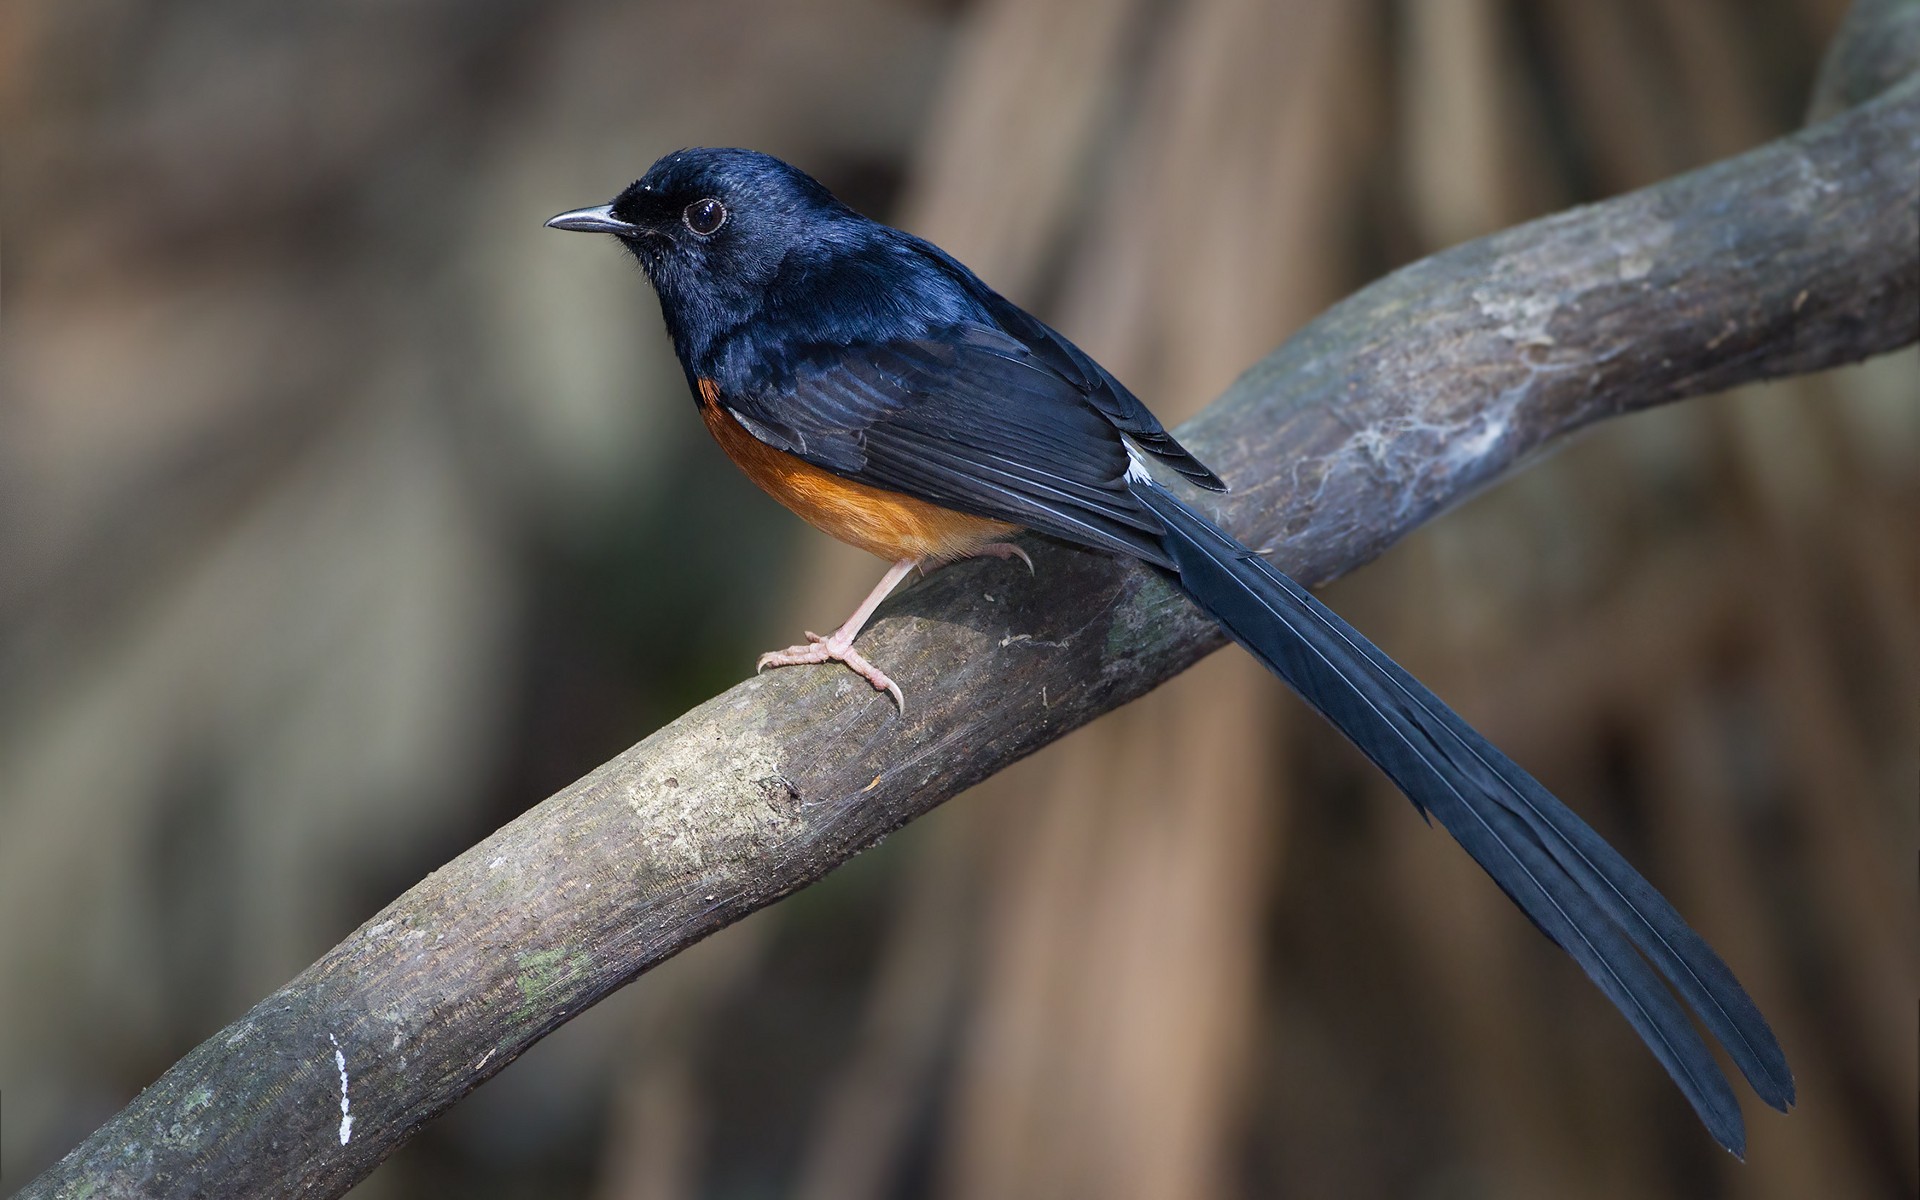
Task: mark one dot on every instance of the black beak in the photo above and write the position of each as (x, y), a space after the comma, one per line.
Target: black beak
(599, 219)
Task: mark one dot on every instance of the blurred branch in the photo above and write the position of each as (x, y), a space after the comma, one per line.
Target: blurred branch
(1876, 47)
(1410, 395)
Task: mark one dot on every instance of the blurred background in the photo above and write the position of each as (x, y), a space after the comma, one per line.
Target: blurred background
(345, 512)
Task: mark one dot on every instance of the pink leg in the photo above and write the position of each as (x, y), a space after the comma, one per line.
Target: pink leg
(838, 645)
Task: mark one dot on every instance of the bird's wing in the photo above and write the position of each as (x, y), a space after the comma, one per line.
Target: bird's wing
(1107, 395)
(969, 419)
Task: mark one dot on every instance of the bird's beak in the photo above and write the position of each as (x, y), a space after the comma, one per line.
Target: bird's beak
(599, 219)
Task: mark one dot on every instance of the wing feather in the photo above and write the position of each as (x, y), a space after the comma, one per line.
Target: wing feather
(970, 419)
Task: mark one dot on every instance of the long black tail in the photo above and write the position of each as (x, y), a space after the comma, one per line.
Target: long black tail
(1574, 886)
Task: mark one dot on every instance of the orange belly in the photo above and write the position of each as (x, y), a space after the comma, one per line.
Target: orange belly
(880, 522)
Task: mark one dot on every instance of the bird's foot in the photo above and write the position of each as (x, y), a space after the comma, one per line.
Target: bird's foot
(1004, 550)
(817, 649)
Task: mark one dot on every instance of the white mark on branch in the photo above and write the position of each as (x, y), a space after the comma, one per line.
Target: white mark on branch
(1523, 318)
(1323, 471)
(483, 1059)
(340, 1064)
(1419, 452)
(1811, 190)
(1635, 265)
(1011, 638)
(1372, 441)
(1477, 445)
(1403, 444)
(496, 864)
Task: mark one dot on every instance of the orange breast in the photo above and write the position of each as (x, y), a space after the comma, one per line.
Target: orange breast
(880, 522)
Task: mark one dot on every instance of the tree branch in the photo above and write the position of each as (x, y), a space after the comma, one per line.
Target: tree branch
(1407, 397)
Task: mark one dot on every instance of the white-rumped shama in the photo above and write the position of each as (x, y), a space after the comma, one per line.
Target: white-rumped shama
(880, 390)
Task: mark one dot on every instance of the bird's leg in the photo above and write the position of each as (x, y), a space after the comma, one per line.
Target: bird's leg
(838, 645)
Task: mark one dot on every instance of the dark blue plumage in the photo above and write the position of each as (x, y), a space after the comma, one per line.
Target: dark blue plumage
(870, 358)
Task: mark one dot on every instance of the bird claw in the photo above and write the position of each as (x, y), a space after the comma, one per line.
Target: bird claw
(820, 650)
(1005, 550)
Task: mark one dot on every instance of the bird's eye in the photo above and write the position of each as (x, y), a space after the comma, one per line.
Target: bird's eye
(705, 216)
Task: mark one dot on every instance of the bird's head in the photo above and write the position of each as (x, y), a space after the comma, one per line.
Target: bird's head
(713, 228)
(756, 259)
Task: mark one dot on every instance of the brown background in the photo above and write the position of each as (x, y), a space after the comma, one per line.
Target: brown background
(344, 512)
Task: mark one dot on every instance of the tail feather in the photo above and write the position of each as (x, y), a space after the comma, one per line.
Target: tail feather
(1575, 887)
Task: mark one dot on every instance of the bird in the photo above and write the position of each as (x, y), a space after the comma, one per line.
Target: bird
(880, 390)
